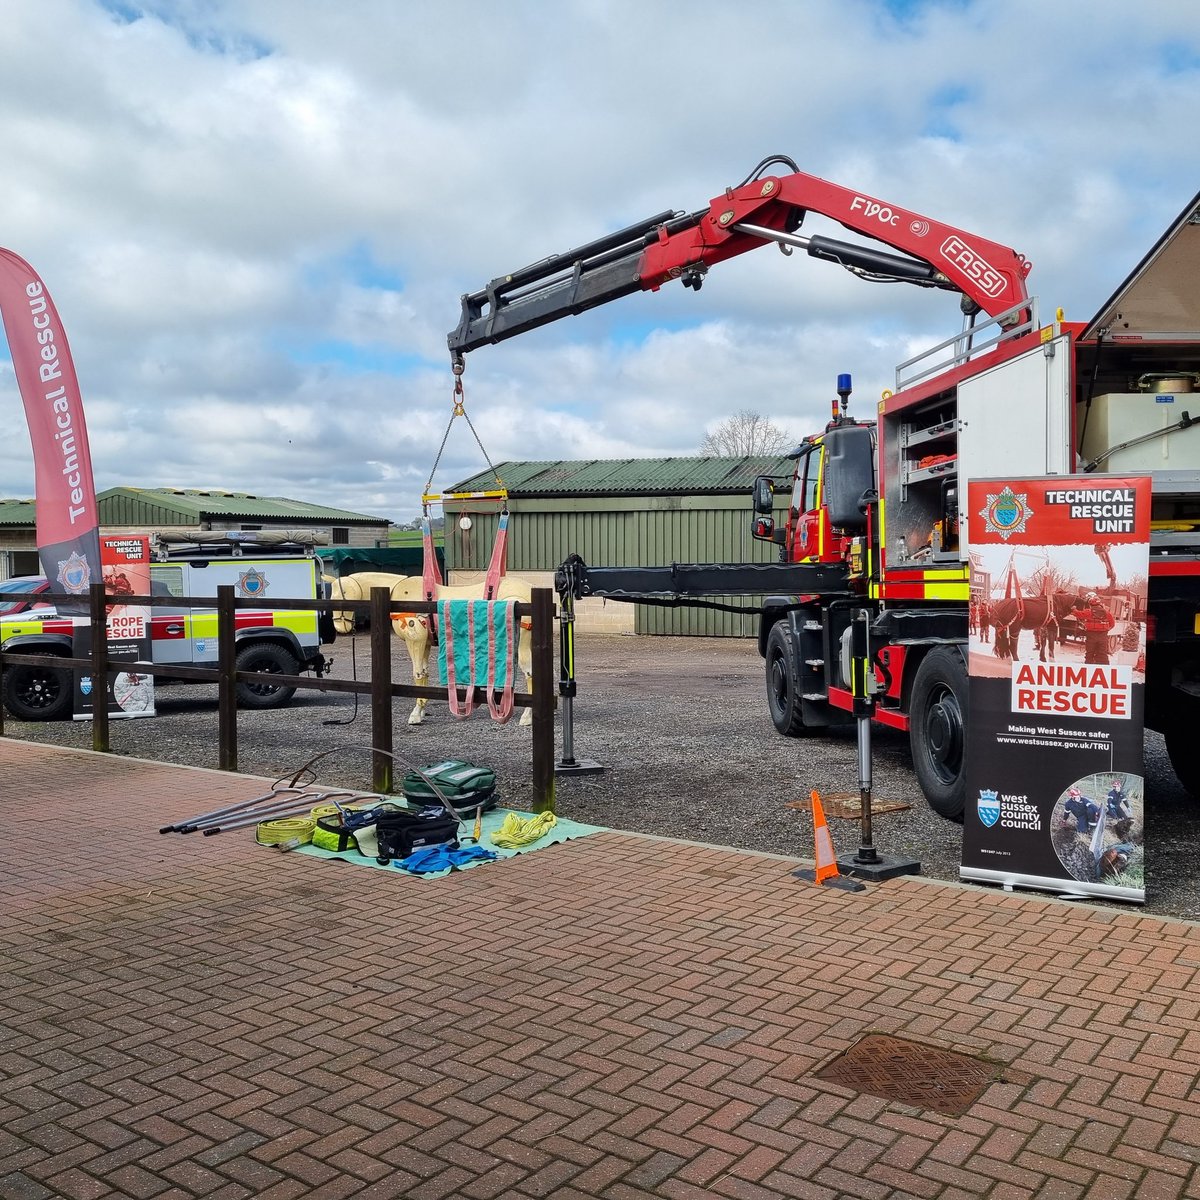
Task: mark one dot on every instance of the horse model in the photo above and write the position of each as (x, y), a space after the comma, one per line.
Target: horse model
(1042, 614)
(414, 627)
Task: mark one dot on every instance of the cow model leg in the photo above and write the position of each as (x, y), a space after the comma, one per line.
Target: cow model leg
(525, 661)
(414, 629)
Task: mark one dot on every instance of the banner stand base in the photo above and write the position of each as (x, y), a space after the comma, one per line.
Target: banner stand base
(888, 867)
(1062, 889)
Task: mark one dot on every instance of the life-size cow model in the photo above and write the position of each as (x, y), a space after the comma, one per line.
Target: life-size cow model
(414, 627)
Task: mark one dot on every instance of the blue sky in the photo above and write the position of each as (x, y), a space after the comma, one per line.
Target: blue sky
(257, 217)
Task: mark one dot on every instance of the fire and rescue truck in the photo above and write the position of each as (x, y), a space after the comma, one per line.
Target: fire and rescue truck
(877, 516)
(193, 565)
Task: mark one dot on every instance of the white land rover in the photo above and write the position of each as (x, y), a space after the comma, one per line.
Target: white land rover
(284, 641)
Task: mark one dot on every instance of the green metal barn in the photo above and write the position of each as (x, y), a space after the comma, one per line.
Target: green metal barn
(642, 512)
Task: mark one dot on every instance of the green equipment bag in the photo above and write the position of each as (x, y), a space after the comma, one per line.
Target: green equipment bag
(462, 783)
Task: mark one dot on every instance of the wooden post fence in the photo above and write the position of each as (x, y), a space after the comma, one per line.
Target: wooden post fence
(381, 688)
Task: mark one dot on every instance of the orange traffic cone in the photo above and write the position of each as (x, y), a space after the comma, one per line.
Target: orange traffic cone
(827, 867)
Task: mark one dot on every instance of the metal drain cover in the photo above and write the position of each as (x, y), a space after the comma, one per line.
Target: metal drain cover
(911, 1073)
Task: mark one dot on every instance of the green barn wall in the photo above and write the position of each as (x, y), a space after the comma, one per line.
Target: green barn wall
(623, 531)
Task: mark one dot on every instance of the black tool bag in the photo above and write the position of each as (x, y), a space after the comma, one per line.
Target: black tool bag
(400, 833)
(464, 784)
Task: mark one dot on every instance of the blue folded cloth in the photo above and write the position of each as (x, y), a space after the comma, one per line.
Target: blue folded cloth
(442, 858)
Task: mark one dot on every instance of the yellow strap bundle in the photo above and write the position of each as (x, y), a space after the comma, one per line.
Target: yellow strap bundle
(295, 830)
(290, 832)
(516, 832)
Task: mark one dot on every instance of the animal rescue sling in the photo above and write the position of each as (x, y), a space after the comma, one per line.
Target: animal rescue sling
(478, 649)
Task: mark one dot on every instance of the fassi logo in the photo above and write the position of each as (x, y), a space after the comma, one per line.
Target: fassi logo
(974, 266)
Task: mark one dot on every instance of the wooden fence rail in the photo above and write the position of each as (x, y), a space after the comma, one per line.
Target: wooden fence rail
(381, 689)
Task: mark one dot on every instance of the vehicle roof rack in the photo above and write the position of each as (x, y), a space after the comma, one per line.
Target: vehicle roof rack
(234, 542)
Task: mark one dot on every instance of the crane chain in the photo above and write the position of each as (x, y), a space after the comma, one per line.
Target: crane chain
(459, 410)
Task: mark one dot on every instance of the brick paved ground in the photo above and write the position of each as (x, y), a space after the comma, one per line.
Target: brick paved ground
(617, 1017)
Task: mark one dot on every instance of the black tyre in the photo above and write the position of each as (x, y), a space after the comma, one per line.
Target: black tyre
(783, 682)
(937, 730)
(37, 693)
(1180, 737)
(268, 656)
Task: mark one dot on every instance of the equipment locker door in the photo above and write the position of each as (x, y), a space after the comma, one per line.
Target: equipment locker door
(1015, 420)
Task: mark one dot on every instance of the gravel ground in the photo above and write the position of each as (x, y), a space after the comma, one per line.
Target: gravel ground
(681, 728)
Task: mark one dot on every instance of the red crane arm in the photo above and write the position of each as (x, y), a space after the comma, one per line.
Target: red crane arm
(765, 209)
(991, 275)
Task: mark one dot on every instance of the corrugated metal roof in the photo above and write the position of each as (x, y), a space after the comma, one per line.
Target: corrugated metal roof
(17, 512)
(191, 504)
(629, 476)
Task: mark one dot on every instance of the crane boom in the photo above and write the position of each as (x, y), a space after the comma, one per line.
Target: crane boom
(767, 208)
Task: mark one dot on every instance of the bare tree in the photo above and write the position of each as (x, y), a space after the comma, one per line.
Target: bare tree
(746, 433)
(1049, 577)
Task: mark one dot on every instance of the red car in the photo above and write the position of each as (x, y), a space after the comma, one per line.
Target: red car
(23, 583)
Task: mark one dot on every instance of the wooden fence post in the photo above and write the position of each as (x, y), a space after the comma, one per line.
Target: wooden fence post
(382, 763)
(99, 620)
(226, 679)
(543, 700)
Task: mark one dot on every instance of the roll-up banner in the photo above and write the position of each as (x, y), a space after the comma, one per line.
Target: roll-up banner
(130, 691)
(1057, 666)
(67, 523)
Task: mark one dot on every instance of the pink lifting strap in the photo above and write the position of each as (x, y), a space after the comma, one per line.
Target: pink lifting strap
(501, 705)
(431, 576)
(499, 560)
(465, 705)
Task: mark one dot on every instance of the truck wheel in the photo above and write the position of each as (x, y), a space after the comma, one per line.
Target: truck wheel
(37, 693)
(265, 657)
(1180, 737)
(937, 730)
(783, 683)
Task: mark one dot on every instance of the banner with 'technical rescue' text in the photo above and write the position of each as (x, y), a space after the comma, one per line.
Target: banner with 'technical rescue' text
(1057, 663)
(129, 690)
(67, 521)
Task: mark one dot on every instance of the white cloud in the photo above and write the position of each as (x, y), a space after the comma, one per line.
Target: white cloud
(257, 218)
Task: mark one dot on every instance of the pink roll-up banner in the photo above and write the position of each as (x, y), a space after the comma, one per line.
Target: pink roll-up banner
(67, 522)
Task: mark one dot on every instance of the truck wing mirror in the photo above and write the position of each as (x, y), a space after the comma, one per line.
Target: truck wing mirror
(763, 528)
(764, 495)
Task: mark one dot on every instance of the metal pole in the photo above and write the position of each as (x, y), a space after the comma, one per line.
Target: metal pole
(867, 863)
(186, 823)
(866, 850)
(864, 710)
(568, 765)
(566, 678)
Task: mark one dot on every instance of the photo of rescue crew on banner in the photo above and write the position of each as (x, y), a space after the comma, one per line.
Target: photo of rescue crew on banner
(1073, 605)
(1097, 831)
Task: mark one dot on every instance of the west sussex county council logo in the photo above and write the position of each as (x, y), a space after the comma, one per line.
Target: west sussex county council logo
(74, 573)
(1006, 513)
(988, 807)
